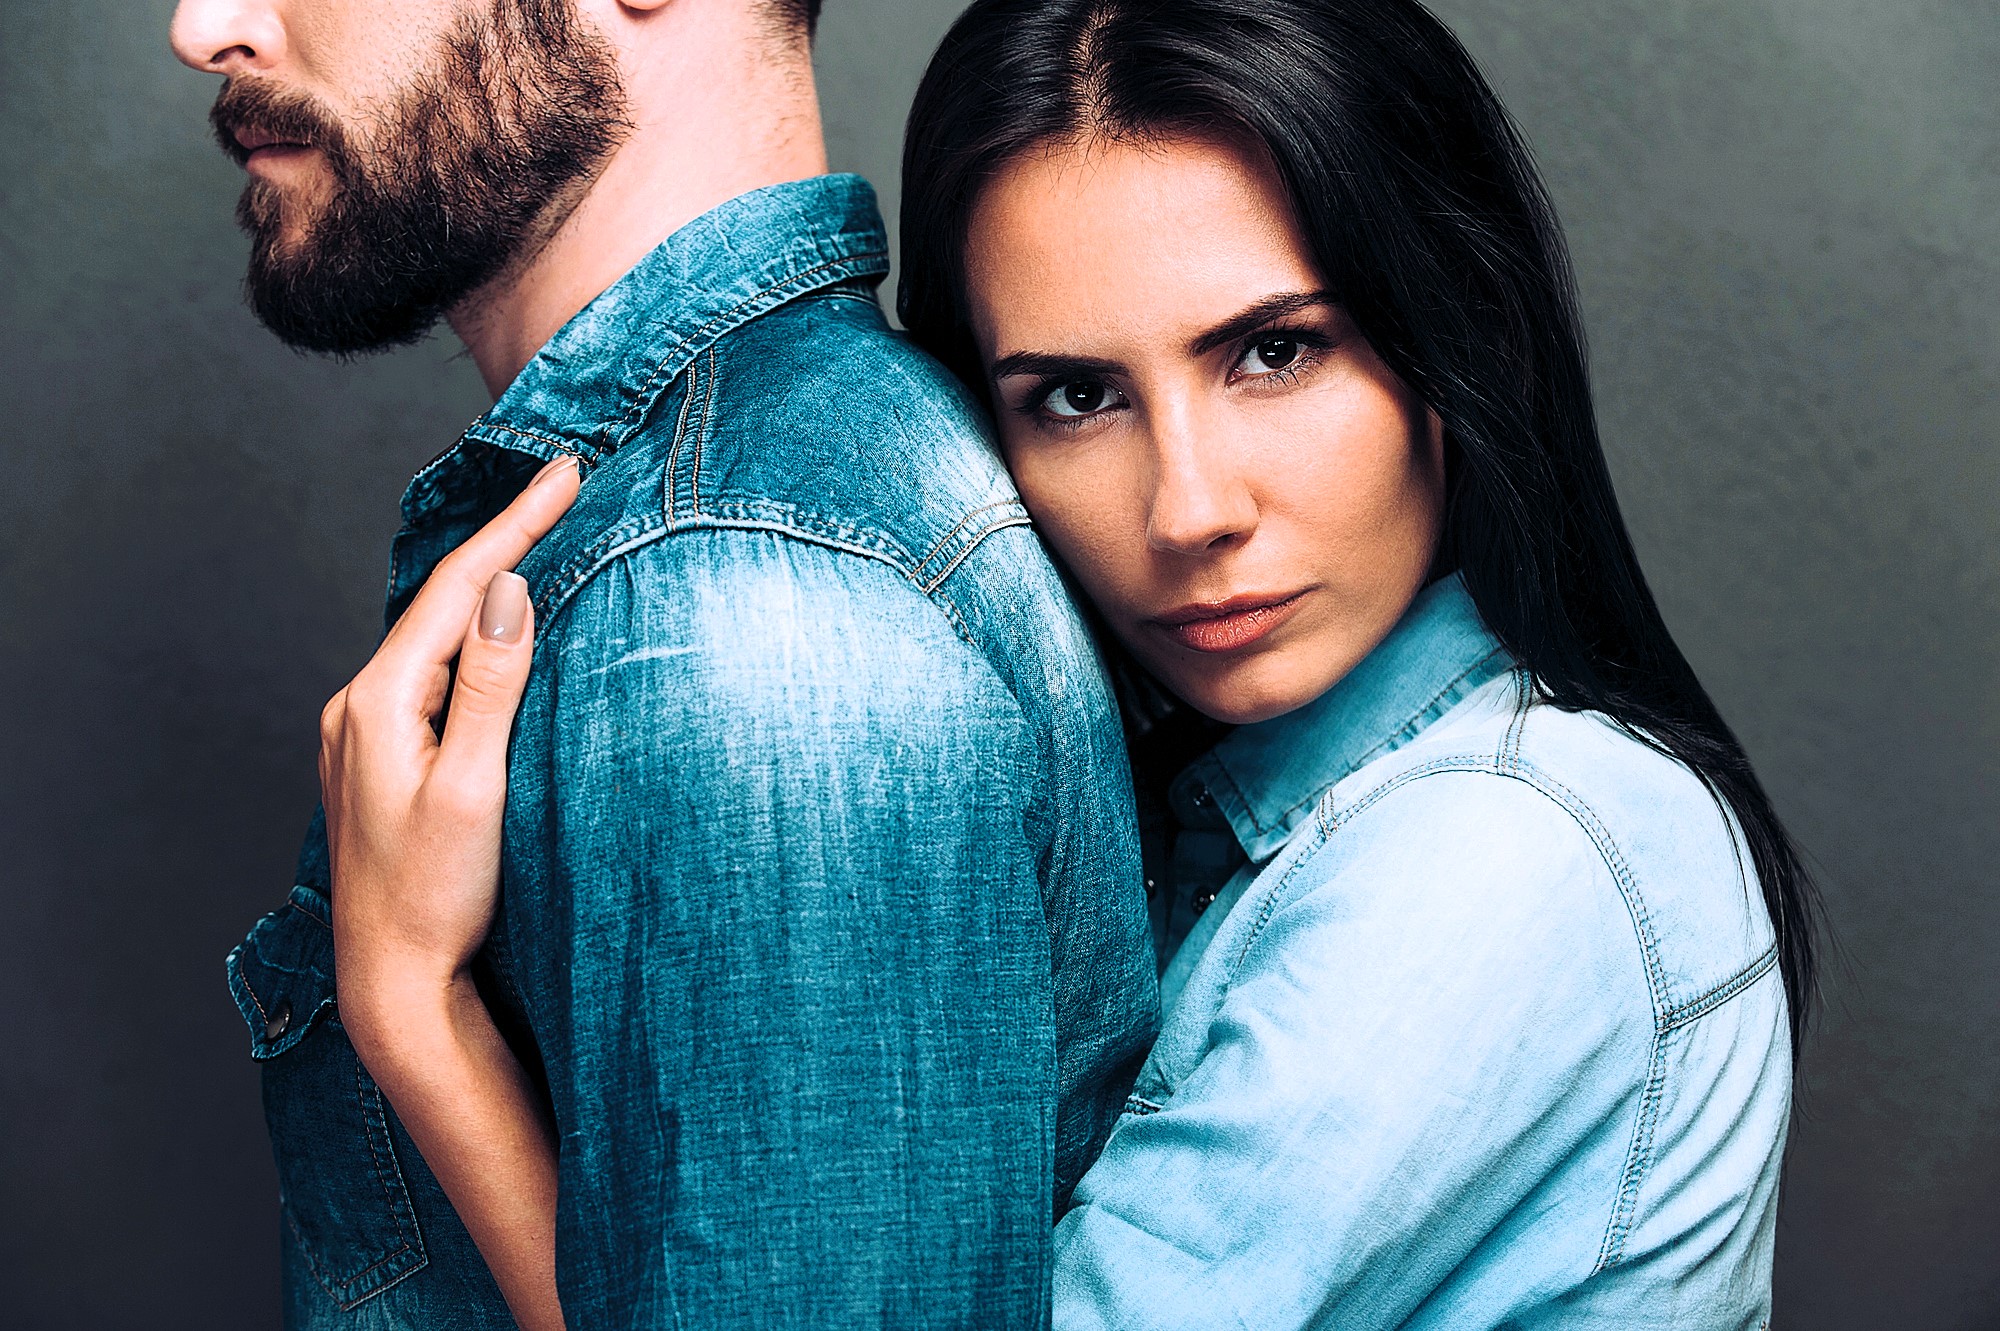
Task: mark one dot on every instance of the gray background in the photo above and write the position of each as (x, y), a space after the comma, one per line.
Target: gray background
(1783, 214)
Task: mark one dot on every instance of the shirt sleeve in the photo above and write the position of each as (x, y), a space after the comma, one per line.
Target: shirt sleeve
(1433, 1013)
(799, 1030)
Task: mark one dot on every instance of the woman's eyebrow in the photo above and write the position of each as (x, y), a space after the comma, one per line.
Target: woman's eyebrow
(1049, 364)
(1256, 316)
(1052, 364)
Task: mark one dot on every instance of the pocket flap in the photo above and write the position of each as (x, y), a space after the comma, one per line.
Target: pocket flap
(281, 975)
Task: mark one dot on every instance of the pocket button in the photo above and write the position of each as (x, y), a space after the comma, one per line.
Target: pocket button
(280, 1019)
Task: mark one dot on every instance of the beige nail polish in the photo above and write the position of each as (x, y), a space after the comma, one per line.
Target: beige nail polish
(505, 608)
(552, 468)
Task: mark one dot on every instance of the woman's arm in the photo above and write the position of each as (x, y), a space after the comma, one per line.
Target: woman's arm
(413, 830)
(468, 1105)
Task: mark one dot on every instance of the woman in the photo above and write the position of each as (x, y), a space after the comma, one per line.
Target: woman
(1484, 951)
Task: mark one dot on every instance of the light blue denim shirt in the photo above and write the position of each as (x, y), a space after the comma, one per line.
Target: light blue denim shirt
(1489, 1033)
(822, 920)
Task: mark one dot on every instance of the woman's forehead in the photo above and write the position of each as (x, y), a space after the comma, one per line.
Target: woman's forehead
(1107, 236)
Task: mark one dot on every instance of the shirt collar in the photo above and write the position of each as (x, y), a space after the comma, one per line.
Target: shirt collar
(1266, 777)
(595, 382)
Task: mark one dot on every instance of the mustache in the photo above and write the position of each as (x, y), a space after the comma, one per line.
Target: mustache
(252, 106)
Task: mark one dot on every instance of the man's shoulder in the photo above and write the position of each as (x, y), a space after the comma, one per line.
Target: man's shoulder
(813, 424)
(820, 420)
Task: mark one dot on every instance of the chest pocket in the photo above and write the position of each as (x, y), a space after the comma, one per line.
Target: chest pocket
(343, 1193)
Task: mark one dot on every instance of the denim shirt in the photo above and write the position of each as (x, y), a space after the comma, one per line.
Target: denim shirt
(822, 923)
(1488, 1033)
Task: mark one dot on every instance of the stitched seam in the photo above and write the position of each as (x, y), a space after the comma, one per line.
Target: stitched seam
(944, 574)
(761, 513)
(1723, 992)
(1536, 779)
(371, 1116)
(1509, 764)
(600, 555)
(1637, 1156)
(1402, 732)
(374, 1119)
(480, 434)
(1139, 1106)
(424, 476)
(310, 915)
(1510, 743)
(701, 432)
(341, 1287)
(238, 978)
(787, 521)
(1513, 767)
(950, 612)
(635, 535)
(395, 570)
(674, 450)
(641, 402)
(917, 573)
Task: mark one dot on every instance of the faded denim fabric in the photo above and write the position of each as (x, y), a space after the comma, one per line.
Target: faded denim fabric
(822, 919)
(1489, 1033)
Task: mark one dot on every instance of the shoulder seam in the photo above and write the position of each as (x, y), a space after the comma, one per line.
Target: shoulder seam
(1331, 818)
(1696, 1008)
(634, 534)
(1507, 763)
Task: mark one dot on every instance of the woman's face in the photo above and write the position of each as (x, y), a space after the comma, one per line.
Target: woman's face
(1244, 490)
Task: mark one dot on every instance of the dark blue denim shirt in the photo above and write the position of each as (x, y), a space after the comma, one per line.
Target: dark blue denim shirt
(822, 921)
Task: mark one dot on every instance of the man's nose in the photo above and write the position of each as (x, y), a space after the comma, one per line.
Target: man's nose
(1201, 500)
(228, 36)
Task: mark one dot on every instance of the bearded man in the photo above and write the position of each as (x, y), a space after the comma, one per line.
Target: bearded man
(820, 936)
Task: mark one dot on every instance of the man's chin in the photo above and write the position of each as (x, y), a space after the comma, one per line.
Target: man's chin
(307, 316)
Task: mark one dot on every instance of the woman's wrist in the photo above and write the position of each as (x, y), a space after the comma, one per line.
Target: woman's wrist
(402, 1011)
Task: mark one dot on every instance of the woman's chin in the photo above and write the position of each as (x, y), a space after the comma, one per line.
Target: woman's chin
(1241, 694)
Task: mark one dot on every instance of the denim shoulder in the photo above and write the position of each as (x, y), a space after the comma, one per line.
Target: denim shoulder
(819, 417)
(817, 422)
(1677, 854)
(741, 623)
(1656, 858)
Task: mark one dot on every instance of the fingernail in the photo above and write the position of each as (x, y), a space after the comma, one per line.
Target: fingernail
(552, 468)
(505, 608)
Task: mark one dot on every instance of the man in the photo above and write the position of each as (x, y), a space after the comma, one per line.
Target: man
(821, 928)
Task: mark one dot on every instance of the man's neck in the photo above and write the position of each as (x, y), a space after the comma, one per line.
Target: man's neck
(699, 139)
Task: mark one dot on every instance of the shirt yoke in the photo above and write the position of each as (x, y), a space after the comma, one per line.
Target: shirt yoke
(1667, 845)
(813, 423)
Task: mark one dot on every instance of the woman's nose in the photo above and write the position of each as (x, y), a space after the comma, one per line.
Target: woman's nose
(1201, 500)
(227, 36)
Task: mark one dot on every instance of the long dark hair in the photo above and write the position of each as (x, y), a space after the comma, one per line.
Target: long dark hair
(1421, 204)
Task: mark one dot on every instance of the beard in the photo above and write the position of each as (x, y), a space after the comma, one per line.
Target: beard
(473, 165)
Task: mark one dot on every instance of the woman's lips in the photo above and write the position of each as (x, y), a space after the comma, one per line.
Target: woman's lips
(1227, 626)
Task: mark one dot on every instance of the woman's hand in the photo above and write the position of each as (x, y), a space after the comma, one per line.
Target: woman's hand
(413, 824)
(414, 820)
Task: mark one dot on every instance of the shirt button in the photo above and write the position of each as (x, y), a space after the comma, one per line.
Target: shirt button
(1202, 799)
(279, 1021)
(1151, 887)
(1202, 901)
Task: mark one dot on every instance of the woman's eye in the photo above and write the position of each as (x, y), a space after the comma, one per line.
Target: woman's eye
(1081, 397)
(1270, 355)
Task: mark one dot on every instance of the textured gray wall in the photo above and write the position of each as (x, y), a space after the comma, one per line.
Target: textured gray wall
(1783, 218)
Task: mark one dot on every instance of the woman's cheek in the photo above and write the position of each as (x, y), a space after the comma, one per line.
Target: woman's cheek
(1077, 511)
